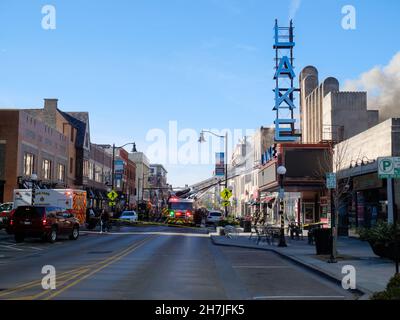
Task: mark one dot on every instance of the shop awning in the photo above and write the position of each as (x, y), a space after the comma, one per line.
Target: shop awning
(268, 199)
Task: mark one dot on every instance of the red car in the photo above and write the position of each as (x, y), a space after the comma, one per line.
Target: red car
(6, 212)
(47, 223)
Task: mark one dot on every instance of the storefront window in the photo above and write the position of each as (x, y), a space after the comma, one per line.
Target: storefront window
(309, 212)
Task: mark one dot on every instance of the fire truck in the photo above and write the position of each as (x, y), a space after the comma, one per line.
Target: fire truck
(181, 209)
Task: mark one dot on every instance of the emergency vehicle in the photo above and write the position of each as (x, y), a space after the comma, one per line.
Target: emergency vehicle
(73, 201)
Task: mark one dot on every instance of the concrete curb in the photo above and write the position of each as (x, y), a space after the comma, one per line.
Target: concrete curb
(362, 292)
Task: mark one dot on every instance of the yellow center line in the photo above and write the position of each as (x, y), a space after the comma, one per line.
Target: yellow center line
(74, 271)
(38, 282)
(33, 297)
(99, 269)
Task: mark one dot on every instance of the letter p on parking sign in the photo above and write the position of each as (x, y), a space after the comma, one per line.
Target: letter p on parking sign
(389, 167)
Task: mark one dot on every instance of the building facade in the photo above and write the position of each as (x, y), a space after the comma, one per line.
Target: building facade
(367, 197)
(158, 187)
(87, 169)
(358, 139)
(328, 114)
(124, 177)
(142, 175)
(30, 146)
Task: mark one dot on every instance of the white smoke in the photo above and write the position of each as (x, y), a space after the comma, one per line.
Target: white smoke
(293, 8)
(383, 87)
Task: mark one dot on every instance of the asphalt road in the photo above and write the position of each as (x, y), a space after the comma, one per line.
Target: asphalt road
(154, 263)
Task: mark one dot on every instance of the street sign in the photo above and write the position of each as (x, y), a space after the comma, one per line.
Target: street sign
(226, 203)
(112, 195)
(219, 164)
(226, 194)
(331, 180)
(111, 204)
(389, 167)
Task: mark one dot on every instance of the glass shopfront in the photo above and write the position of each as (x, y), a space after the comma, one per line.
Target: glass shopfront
(308, 212)
(369, 201)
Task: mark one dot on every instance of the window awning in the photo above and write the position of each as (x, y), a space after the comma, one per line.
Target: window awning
(268, 199)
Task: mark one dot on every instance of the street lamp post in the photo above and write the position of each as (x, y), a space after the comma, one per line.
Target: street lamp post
(113, 162)
(34, 178)
(202, 139)
(281, 172)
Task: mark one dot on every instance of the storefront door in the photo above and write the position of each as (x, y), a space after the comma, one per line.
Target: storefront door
(308, 212)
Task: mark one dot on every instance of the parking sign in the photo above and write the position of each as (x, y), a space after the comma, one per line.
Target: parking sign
(389, 167)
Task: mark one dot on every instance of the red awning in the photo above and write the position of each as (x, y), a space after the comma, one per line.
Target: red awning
(267, 199)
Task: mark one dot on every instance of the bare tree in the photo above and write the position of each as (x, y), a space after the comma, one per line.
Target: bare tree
(335, 161)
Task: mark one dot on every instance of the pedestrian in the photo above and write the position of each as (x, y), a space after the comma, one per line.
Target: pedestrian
(105, 220)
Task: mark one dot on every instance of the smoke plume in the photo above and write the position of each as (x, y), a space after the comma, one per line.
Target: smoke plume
(383, 87)
(293, 8)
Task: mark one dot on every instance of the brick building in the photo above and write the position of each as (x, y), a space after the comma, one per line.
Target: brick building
(29, 145)
(124, 177)
(88, 169)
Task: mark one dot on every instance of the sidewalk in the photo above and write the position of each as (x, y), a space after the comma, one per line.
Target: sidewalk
(372, 272)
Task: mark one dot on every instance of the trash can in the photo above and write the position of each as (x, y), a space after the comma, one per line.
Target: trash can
(323, 243)
(247, 226)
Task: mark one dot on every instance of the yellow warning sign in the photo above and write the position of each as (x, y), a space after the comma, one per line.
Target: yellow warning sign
(112, 195)
(226, 203)
(226, 194)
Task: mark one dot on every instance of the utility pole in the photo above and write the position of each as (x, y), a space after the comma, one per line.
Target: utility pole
(113, 175)
(332, 258)
(281, 170)
(201, 140)
(142, 181)
(226, 169)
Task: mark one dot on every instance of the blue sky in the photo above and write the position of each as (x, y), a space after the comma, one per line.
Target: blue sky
(136, 65)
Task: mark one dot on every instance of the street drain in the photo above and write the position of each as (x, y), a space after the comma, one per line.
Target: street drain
(99, 252)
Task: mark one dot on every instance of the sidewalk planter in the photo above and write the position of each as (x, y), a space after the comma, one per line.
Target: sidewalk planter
(384, 250)
(247, 226)
(323, 242)
(382, 238)
(378, 248)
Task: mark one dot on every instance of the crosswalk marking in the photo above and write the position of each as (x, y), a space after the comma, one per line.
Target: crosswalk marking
(11, 247)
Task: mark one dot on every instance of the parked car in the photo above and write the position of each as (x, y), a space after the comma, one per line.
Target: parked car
(214, 217)
(5, 212)
(47, 223)
(129, 216)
